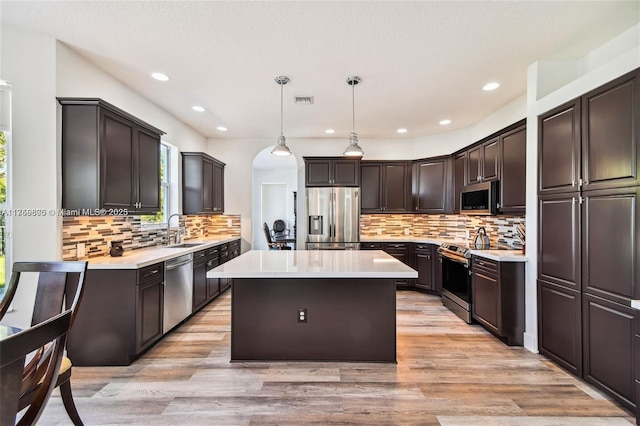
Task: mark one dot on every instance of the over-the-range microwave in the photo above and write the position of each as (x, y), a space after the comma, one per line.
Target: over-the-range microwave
(480, 198)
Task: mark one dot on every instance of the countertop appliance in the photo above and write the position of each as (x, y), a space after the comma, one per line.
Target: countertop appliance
(456, 279)
(333, 221)
(480, 198)
(178, 291)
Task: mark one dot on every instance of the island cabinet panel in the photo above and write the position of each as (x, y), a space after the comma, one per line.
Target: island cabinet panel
(560, 325)
(431, 186)
(199, 279)
(110, 159)
(608, 348)
(331, 171)
(385, 187)
(513, 163)
(559, 149)
(459, 181)
(202, 184)
(610, 134)
(120, 316)
(636, 351)
(498, 298)
(345, 319)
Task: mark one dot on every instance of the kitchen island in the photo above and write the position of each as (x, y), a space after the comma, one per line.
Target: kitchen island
(313, 305)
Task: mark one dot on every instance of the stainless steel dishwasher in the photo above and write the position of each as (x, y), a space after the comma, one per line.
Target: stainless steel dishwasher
(178, 291)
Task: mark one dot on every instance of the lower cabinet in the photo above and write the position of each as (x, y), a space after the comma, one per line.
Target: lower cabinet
(120, 316)
(199, 279)
(498, 298)
(400, 251)
(608, 347)
(424, 265)
(560, 325)
(636, 357)
(213, 284)
(437, 271)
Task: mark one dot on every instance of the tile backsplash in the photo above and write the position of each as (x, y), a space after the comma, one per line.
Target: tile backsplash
(97, 232)
(500, 229)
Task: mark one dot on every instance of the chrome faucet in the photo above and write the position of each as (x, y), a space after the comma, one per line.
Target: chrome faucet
(169, 227)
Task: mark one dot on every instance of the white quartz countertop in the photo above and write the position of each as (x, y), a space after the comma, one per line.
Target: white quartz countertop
(135, 259)
(635, 304)
(313, 264)
(500, 255)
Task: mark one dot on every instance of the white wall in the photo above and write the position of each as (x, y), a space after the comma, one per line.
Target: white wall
(615, 58)
(28, 61)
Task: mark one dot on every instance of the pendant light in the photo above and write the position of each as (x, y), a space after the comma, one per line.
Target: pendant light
(353, 149)
(281, 149)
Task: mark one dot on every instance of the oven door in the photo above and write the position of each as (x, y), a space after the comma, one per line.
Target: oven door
(456, 287)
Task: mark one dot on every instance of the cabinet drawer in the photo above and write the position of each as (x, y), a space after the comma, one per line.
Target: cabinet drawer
(213, 252)
(395, 246)
(151, 273)
(423, 248)
(371, 246)
(485, 265)
(199, 257)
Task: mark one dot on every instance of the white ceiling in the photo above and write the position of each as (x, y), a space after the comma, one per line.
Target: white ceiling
(420, 61)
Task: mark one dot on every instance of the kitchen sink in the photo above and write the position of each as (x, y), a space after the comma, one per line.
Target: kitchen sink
(185, 245)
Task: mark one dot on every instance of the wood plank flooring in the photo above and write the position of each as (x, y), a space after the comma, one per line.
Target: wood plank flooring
(448, 373)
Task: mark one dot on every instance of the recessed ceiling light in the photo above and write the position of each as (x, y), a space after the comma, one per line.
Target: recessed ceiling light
(401, 130)
(197, 108)
(490, 86)
(330, 131)
(222, 128)
(160, 76)
(445, 122)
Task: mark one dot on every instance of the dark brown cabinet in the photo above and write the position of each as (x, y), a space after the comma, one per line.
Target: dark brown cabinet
(431, 185)
(149, 303)
(424, 265)
(559, 149)
(513, 167)
(213, 284)
(437, 270)
(110, 159)
(199, 279)
(385, 187)
(400, 250)
(329, 171)
(636, 362)
(608, 347)
(459, 181)
(202, 184)
(560, 325)
(482, 162)
(498, 298)
(610, 139)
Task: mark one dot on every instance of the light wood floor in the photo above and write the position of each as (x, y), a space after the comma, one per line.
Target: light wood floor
(448, 373)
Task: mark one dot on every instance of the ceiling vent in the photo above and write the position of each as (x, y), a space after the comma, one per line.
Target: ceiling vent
(303, 100)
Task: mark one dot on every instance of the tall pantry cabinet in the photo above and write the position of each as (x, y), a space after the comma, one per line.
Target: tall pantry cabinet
(588, 237)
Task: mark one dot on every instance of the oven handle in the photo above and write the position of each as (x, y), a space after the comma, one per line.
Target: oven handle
(462, 262)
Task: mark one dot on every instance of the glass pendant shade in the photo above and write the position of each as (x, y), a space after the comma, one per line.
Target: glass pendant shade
(353, 149)
(281, 149)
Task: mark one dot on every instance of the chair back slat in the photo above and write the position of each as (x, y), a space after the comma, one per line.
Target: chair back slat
(49, 296)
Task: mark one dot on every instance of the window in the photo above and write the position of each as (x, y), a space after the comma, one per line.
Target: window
(5, 204)
(165, 186)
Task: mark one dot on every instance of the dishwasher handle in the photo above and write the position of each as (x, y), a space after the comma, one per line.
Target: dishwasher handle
(176, 263)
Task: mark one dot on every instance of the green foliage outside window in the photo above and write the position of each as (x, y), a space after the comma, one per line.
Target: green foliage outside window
(164, 189)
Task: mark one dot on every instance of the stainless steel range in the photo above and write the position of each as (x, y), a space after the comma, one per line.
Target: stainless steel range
(456, 279)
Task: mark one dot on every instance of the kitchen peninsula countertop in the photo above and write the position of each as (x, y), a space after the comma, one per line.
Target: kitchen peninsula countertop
(313, 264)
(500, 255)
(135, 259)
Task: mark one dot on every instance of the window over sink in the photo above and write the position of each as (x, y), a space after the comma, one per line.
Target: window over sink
(168, 187)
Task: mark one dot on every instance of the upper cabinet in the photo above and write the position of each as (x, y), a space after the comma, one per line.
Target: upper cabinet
(332, 171)
(385, 186)
(513, 170)
(431, 185)
(482, 163)
(202, 184)
(592, 142)
(110, 159)
(459, 181)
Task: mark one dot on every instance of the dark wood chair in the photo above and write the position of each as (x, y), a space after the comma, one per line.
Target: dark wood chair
(47, 339)
(273, 245)
(59, 287)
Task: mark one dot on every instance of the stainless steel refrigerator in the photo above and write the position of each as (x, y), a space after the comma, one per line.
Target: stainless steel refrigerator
(333, 218)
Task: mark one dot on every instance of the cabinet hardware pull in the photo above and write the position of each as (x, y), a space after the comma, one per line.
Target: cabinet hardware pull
(580, 182)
